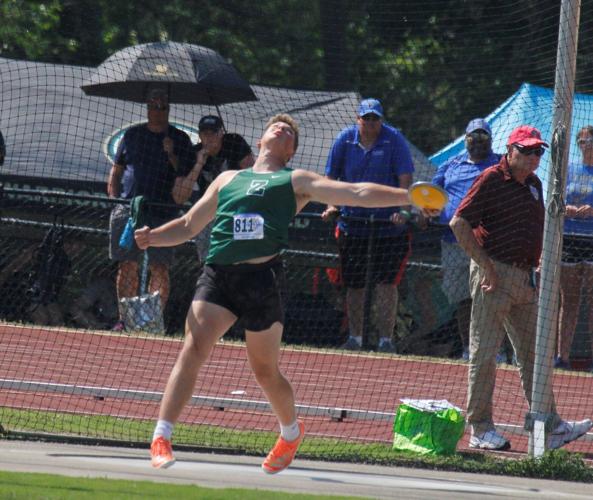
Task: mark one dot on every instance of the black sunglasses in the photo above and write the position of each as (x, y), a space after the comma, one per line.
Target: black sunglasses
(479, 136)
(370, 118)
(585, 140)
(528, 151)
(158, 107)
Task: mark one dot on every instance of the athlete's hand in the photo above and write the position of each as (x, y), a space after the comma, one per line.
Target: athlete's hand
(430, 212)
(142, 237)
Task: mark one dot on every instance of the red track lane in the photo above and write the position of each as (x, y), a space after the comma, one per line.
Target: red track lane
(320, 378)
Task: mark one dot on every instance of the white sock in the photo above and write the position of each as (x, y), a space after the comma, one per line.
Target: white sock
(358, 339)
(163, 428)
(290, 432)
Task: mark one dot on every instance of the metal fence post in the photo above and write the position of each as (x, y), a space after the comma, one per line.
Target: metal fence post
(368, 287)
(539, 420)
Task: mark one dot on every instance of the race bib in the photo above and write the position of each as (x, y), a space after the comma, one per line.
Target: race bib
(248, 227)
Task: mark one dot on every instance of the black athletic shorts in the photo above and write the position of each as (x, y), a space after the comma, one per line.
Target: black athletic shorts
(577, 249)
(389, 256)
(252, 292)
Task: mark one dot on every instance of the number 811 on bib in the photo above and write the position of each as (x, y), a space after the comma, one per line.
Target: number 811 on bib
(248, 227)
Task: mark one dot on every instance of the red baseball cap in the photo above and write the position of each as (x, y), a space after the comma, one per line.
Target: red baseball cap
(526, 135)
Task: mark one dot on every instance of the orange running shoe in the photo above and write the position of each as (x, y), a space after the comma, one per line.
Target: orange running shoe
(282, 453)
(161, 453)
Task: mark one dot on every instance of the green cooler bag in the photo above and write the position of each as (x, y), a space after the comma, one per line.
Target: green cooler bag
(427, 427)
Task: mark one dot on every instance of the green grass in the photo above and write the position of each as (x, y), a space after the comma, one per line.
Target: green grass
(33, 486)
(557, 464)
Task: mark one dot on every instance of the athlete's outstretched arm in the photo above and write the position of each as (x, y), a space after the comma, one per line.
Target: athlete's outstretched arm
(180, 230)
(314, 187)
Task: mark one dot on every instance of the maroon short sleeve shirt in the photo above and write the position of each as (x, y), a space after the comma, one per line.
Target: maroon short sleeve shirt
(507, 216)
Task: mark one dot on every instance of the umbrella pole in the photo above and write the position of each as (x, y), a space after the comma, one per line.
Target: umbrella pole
(218, 113)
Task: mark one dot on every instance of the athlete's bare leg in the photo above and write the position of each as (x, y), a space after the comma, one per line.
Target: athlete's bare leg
(205, 324)
(263, 351)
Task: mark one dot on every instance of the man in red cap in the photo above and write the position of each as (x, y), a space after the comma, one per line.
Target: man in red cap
(500, 225)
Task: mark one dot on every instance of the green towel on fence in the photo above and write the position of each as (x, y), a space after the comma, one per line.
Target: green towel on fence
(138, 218)
(138, 212)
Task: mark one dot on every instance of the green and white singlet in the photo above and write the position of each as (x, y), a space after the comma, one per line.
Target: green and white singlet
(252, 216)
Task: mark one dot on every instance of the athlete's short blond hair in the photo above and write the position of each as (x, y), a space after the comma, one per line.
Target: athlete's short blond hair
(290, 121)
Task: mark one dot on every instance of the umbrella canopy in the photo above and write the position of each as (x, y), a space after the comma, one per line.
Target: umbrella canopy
(58, 136)
(191, 74)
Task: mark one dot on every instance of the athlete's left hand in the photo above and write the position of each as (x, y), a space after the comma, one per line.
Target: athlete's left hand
(142, 237)
(430, 212)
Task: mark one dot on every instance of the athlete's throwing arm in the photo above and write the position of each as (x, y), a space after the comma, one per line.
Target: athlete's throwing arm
(307, 186)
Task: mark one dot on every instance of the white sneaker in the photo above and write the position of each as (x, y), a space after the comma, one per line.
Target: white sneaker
(567, 432)
(489, 440)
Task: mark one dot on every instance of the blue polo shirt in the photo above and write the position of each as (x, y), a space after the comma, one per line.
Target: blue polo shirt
(456, 176)
(579, 191)
(383, 163)
(147, 169)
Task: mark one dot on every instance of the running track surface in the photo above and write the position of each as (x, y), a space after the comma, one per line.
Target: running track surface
(320, 378)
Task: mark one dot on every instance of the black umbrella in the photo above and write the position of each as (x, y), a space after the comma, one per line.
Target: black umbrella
(191, 74)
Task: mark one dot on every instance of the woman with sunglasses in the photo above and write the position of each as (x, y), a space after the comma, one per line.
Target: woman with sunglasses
(576, 279)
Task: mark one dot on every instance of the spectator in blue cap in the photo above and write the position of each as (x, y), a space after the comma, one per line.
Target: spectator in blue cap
(456, 176)
(371, 151)
(370, 107)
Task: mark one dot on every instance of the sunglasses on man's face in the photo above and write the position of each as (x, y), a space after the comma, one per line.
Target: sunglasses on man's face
(479, 136)
(158, 106)
(370, 118)
(585, 140)
(528, 151)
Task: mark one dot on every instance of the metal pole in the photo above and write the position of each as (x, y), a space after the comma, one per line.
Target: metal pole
(539, 419)
(368, 289)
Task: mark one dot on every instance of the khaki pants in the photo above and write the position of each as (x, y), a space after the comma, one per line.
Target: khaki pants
(510, 308)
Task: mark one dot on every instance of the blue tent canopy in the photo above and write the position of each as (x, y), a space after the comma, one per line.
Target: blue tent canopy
(530, 105)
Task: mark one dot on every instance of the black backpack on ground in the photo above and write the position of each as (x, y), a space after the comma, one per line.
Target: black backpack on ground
(51, 265)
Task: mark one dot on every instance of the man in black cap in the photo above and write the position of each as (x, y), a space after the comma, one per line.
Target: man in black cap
(216, 152)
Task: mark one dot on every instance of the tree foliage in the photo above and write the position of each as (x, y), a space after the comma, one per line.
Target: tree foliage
(434, 63)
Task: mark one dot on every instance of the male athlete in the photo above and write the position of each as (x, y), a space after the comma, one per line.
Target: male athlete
(251, 210)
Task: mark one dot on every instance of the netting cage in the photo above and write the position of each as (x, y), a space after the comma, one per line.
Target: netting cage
(101, 103)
